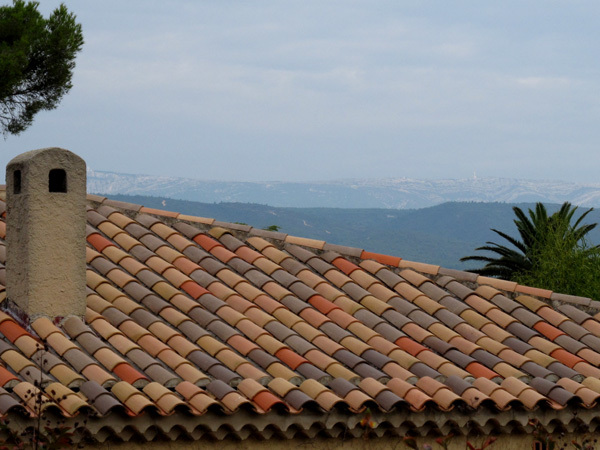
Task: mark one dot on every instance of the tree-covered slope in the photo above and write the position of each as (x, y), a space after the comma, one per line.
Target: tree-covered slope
(440, 234)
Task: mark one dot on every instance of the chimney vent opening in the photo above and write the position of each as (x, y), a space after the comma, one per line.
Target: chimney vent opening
(57, 180)
(17, 182)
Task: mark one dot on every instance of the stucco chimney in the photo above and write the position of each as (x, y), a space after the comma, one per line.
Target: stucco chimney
(46, 217)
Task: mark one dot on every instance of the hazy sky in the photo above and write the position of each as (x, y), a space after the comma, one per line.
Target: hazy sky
(315, 90)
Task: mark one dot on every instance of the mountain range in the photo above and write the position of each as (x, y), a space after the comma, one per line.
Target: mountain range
(397, 193)
(440, 234)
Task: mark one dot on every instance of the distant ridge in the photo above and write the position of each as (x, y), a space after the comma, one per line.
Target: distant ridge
(397, 193)
(440, 234)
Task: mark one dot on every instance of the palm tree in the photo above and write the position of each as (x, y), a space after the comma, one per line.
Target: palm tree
(534, 231)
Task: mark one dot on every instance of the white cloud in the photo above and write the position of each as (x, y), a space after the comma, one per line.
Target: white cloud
(543, 82)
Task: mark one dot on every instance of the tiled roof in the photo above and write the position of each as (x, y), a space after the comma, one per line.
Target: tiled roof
(196, 327)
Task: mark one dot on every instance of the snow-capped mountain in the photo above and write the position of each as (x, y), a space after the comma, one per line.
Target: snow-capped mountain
(397, 193)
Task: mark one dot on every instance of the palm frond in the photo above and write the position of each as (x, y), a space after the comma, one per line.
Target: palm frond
(535, 229)
(520, 245)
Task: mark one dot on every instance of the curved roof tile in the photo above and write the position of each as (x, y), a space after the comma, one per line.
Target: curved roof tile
(270, 321)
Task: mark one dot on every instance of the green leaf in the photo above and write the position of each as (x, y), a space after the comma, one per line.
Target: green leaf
(37, 58)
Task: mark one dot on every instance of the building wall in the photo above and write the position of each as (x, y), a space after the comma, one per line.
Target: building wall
(504, 442)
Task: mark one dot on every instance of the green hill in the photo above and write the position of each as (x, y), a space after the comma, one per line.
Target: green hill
(440, 234)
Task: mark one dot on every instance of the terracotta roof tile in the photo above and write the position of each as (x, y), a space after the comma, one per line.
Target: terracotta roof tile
(11, 330)
(548, 330)
(504, 285)
(173, 306)
(7, 379)
(98, 242)
(383, 259)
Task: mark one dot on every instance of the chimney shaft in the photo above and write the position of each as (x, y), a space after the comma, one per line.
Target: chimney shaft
(46, 218)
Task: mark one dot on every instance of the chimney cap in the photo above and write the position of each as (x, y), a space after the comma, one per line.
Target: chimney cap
(49, 152)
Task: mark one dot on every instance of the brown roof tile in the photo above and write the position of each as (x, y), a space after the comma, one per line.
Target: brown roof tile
(173, 306)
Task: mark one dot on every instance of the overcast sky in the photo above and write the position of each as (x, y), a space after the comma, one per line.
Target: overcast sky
(316, 90)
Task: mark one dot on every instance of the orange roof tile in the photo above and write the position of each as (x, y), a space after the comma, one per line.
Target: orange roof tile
(250, 326)
(383, 259)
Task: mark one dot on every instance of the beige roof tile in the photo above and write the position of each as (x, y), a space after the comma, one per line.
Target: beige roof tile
(175, 306)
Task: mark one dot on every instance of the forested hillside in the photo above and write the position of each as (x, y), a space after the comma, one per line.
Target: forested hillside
(439, 235)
